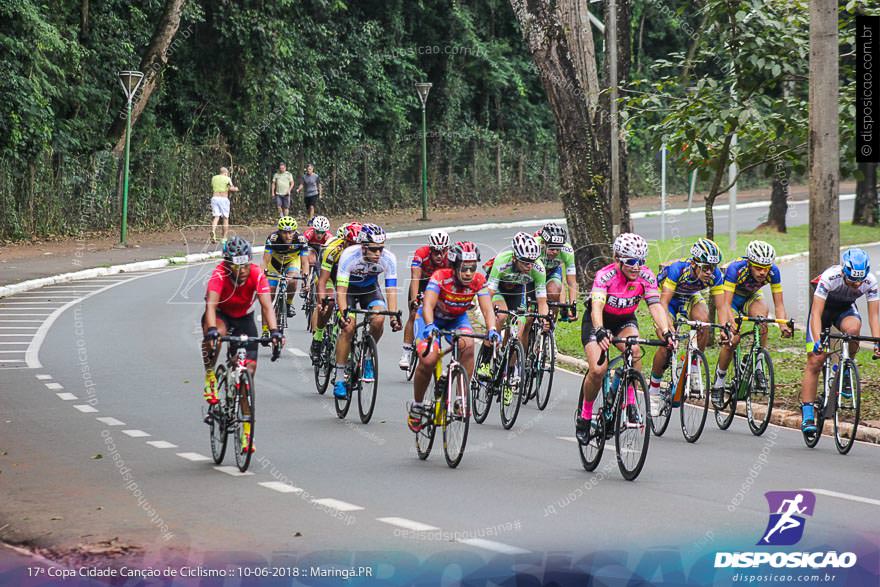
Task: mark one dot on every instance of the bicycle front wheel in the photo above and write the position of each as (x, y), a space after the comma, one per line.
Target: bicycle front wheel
(631, 438)
(695, 406)
(759, 402)
(546, 366)
(458, 417)
(512, 384)
(244, 450)
(724, 414)
(660, 422)
(219, 430)
(849, 399)
(368, 389)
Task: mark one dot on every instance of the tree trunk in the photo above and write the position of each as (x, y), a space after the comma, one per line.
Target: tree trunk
(498, 164)
(778, 206)
(520, 172)
(84, 21)
(824, 138)
(152, 63)
(560, 41)
(624, 59)
(713, 192)
(867, 206)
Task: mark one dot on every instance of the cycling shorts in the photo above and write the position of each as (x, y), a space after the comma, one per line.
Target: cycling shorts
(244, 325)
(612, 322)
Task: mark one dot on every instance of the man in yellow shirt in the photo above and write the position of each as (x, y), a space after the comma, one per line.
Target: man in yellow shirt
(282, 184)
(221, 185)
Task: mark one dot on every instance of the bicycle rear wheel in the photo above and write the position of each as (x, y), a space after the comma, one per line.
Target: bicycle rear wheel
(425, 436)
(243, 452)
(324, 366)
(281, 309)
(413, 362)
(591, 453)
(849, 399)
(354, 376)
(660, 423)
(310, 303)
(367, 390)
(724, 415)
(543, 377)
(632, 442)
(219, 432)
(458, 417)
(481, 398)
(761, 394)
(512, 384)
(695, 406)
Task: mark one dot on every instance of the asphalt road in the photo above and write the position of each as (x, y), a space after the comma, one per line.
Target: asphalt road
(120, 369)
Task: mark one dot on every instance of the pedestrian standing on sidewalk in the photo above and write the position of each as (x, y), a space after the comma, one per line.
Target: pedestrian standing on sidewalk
(221, 185)
(282, 185)
(311, 181)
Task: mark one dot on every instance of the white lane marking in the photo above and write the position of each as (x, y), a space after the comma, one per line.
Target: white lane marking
(608, 447)
(85, 409)
(66, 396)
(233, 471)
(493, 546)
(4, 309)
(193, 456)
(280, 487)
(336, 504)
(4, 321)
(136, 433)
(12, 352)
(11, 360)
(850, 497)
(22, 342)
(567, 438)
(161, 444)
(20, 303)
(298, 353)
(16, 335)
(33, 353)
(408, 524)
(53, 386)
(39, 294)
(17, 327)
(43, 290)
(2, 316)
(43, 377)
(110, 421)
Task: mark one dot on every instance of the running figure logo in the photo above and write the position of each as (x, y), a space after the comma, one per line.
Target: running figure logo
(787, 508)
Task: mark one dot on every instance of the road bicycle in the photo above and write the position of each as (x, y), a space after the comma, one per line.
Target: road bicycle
(235, 392)
(363, 349)
(752, 380)
(507, 383)
(680, 387)
(450, 407)
(310, 289)
(610, 418)
(414, 354)
(540, 363)
(325, 360)
(279, 300)
(840, 397)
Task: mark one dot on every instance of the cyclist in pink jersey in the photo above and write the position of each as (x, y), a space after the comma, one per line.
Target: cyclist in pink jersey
(611, 311)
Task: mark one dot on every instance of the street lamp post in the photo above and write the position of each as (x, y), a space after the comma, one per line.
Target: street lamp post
(423, 89)
(131, 81)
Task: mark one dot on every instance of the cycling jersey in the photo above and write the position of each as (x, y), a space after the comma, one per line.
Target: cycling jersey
(356, 271)
(422, 258)
(236, 300)
(620, 295)
(453, 297)
(680, 277)
(315, 238)
(563, 263)
(330, 256)
(505, 276)
(830, 286)
(738, 279)
(284, 254)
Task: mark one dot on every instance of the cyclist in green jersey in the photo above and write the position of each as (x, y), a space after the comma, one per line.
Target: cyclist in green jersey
(557, 256)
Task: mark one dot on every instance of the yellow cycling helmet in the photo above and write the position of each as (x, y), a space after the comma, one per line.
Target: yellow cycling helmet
(287, 224)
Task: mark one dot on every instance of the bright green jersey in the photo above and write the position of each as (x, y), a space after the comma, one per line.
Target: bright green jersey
(562, 264)
(504, 274)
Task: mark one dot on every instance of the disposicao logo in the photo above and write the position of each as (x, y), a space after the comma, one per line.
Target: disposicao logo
(785, 528)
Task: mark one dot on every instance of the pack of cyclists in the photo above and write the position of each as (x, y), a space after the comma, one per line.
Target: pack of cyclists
(350, 268)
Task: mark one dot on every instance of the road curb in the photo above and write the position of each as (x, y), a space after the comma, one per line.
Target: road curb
(780, 417)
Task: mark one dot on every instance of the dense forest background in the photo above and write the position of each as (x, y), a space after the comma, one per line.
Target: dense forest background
(249, 83)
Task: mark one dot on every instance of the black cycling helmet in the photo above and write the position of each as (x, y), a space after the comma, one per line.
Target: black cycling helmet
(553, 235)
(236, 248)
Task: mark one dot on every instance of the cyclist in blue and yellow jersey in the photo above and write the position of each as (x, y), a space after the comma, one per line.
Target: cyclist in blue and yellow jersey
(743, 280)
(282, 257)
(834, 303)
(682, 287)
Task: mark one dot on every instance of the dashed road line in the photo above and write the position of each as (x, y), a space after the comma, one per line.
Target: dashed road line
(110, 421)
(54, 386)
(493, 546)
(136, 433)
(233, 471)
(85, 408)
(297, 352)
(337, 504)
(193, 456)
(43, 377)
(161, 444)
(66, 396)
(408, 524)
(280, 487)
(847, 496)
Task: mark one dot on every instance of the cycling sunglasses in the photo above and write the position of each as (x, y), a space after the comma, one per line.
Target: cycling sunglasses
(633, 262)
(708, 267)
(375, 249)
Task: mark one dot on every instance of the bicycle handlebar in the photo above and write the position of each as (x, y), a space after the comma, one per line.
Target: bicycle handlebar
(454, 334)
(240, 340)
(762, 320)
(571, 306)
(826, 334)
(632, 341)
(348, 311)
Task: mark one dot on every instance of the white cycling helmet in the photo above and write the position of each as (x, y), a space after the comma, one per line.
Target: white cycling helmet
(439, 240)
(631, 246)
(760, 253)
(321, 223)
(525, 247)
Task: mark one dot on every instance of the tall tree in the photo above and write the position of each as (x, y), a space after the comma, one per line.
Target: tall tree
(867, 205)
(824, 139)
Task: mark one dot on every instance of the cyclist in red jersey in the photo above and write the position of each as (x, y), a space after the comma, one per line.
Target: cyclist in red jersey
(232, 289)
(448, 296)
(426, 260)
